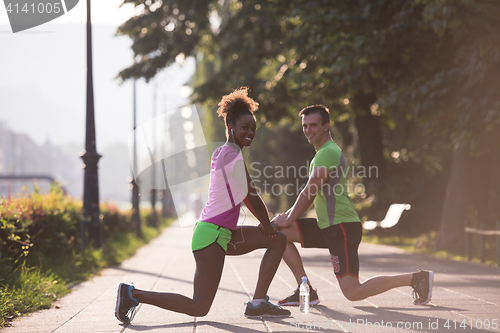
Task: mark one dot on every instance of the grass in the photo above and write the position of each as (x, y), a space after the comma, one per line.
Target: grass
(422, 244)
(34, 289)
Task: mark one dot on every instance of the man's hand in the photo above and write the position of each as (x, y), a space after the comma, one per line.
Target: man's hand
(269, 232)
(281, 220)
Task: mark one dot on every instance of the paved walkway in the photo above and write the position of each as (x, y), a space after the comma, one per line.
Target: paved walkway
(464, 293)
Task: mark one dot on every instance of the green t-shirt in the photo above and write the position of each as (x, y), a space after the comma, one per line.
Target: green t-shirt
(332, 203)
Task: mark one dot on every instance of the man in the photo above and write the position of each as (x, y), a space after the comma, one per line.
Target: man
(338, 226)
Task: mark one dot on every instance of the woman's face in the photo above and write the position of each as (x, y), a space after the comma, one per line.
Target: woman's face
(243, 131)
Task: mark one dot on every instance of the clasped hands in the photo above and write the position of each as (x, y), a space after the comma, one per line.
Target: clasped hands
(277, 222)
(280, 220)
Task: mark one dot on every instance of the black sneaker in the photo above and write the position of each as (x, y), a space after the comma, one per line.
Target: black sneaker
(125, 303)
(422, 287)
(293, 299)
(265, 310)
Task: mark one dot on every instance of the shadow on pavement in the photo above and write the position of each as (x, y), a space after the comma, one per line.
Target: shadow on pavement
(174, 279)
(199, 324)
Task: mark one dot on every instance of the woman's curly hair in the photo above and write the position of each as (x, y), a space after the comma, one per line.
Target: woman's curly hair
(235, 105)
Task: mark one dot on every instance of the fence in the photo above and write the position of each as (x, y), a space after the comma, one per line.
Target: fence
(16, 182)
(481, 233)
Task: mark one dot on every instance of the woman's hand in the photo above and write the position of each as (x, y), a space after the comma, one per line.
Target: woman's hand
(269, 232)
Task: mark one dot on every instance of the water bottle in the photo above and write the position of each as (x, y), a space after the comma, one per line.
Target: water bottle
(304, 296)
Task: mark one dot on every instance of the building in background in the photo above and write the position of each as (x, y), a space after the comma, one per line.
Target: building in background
(21, 156)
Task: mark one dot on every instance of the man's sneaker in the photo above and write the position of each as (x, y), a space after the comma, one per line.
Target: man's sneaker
(293, 299)
(422, 287)
(265, 310)
(125, 303)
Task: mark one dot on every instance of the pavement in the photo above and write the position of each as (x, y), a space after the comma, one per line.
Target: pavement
(466, 295)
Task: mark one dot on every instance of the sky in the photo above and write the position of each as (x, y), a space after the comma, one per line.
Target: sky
(43, 78)
(43, 88)
(106, 12)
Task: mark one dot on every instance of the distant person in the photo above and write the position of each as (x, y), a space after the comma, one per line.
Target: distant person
(337, 227)
(216, 234)
(197, 204)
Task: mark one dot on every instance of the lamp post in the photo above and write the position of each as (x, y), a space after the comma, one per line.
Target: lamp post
(165, 195)
(90, 157)
(154, 218)
(136, 218)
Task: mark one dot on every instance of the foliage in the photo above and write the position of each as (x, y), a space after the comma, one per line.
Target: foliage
(33, 290)
(41, 251)
(164, 31)
(35, 227)
(425, 244)
(429, 63)
(411, 80)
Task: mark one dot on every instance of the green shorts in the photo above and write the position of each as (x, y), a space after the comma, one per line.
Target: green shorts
(205, 234)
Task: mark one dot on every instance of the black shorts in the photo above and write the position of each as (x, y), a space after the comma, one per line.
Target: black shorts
(342, 240)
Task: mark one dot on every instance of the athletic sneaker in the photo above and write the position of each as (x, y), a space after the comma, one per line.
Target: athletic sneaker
(422, 287)
(293, 299)
(125, 303)
(265, 310)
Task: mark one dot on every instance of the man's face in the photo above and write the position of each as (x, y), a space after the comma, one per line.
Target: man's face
(313, 129)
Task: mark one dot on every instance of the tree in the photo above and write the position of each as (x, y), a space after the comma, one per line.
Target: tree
(459, 104)
(416, 78)
(164, 32)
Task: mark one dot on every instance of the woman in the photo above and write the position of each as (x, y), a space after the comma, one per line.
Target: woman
(217, 233)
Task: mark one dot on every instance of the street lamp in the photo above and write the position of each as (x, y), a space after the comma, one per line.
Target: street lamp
(91, 223)
(165, 195)
(136, 217)
(154, 218)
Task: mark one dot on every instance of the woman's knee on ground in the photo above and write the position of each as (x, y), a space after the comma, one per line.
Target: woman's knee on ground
(200, 310)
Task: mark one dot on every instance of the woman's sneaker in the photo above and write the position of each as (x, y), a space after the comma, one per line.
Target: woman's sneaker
(265, 310)
(125, 303)
(422, 287)
(293, 299)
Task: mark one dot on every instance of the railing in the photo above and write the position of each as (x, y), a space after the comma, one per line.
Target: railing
(481, 233)
(49, 178)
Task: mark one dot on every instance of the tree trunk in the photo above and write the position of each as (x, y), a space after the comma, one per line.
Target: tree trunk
(370, 144)
(472, 193)
(493, 193)
(451, 229)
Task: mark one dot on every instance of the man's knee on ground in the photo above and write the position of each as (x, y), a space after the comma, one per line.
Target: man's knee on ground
(352, 295)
